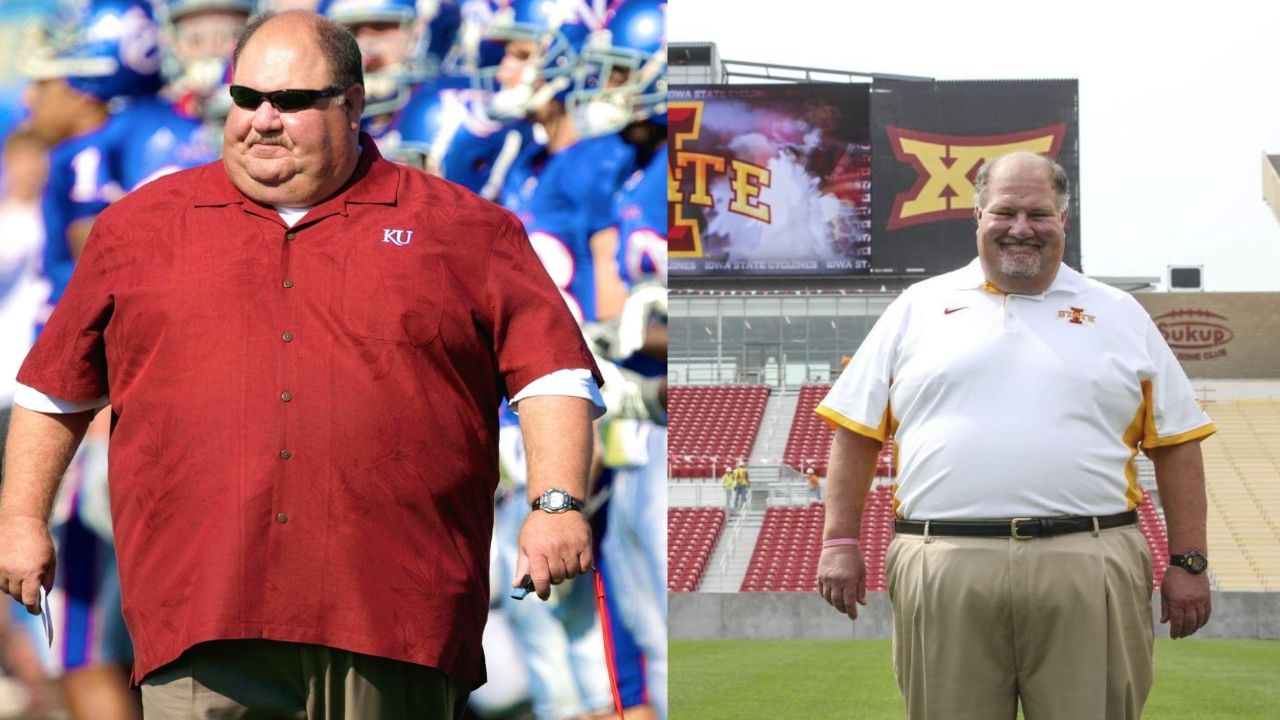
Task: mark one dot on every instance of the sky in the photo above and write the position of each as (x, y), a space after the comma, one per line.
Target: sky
(1178, 103)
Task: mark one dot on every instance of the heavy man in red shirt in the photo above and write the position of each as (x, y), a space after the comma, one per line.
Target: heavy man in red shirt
(304, 348)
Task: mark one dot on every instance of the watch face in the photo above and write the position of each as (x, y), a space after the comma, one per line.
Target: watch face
(554, 500)
(1195, 562)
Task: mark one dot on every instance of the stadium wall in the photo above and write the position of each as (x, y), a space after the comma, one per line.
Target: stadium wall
(1220, 335)
(806, 616)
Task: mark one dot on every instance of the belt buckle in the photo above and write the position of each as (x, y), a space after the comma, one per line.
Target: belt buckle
(1013, 528)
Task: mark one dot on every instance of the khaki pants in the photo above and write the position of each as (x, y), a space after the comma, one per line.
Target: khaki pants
(1062, 623)
(232, 679)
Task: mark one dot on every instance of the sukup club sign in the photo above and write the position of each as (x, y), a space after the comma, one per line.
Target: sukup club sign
(1195, 334)
(1219, 335)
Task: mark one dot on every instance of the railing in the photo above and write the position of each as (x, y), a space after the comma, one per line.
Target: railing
(730, 544)
(743, 376)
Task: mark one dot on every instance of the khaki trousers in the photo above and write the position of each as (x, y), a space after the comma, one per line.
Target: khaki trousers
(252, 679)
(1063, 624)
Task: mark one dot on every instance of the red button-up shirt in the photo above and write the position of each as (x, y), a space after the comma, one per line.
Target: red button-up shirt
(304, 445)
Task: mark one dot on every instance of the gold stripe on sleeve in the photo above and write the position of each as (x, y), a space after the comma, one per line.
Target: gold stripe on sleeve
(1199, 433)
(835, 419)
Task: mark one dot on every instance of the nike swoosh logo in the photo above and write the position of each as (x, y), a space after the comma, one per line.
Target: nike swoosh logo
(948, 311)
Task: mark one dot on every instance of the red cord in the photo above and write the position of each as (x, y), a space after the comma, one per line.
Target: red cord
(603, 610)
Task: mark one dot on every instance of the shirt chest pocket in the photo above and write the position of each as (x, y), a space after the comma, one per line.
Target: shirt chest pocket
(391, 293)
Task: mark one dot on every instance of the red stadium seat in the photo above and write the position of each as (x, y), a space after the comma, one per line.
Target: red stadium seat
(692, 535)
(713, 422)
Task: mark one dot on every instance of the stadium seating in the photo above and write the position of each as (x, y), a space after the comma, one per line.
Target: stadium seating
(691, 536)
(1242, 473)
(809, 441)
(712, 426)
(785, 558)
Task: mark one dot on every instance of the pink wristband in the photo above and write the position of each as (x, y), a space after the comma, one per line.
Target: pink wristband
(838, 542)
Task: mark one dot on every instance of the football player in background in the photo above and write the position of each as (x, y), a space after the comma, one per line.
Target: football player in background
(620, 87)
(401, 43)
(446, 129)
(562, 186)
(200, 36)
(23, 290)
(93, 97)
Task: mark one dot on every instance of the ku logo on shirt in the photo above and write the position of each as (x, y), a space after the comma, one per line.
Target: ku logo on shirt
(396, 236)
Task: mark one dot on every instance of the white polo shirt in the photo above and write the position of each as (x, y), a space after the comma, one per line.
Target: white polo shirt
(1015, 405)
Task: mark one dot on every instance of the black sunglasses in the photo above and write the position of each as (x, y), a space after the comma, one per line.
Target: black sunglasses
(283, 100)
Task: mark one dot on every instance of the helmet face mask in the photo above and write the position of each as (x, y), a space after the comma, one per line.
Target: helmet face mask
(393, 36)
(111, 51)
(446, 129)
(547, 38)
(622, 78)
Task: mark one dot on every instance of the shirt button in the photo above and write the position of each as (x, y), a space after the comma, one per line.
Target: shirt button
(285, 454)
(282, 518)
(291, 236)
(287, 337)
(288, 283)
(286, 396)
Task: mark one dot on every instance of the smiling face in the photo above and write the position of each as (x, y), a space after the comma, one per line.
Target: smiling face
(290, 158)
(1021, 229)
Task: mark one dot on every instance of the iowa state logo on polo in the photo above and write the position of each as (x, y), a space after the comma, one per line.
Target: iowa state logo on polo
(945, 166)
(1076, 316)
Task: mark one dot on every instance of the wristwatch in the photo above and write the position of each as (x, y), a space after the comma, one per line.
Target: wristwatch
(1193, 562)
(556, 500)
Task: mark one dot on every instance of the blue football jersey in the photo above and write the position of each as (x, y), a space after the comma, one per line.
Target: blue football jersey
(140, 141)
(563, 199)
(445, 128)
(641, 207)
(159, 141)
(80, 186)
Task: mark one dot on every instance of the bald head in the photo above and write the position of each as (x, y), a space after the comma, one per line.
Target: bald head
(335, 43)
(294, 156)
(1021, 160)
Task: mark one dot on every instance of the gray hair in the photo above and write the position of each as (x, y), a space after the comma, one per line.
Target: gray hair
(1057, 175)
(337, 44)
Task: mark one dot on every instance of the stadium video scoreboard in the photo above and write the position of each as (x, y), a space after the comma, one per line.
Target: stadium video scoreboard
(850, 179)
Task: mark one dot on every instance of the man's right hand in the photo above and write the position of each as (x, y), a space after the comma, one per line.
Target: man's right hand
(27, 559)
(842, 579)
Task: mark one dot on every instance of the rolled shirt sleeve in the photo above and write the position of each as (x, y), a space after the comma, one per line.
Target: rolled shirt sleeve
(534, 333)
(578, 382)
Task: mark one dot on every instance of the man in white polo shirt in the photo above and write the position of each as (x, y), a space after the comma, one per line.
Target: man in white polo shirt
(1018, 393)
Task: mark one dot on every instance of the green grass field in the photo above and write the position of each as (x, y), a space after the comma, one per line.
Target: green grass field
(809, 679)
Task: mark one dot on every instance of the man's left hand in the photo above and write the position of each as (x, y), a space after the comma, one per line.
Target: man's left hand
(553, 548)
(1184, 602)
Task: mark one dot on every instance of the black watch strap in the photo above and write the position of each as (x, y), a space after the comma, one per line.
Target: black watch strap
(1193, 561)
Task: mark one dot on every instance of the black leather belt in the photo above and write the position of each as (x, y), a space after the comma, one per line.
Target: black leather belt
(1017, 528)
